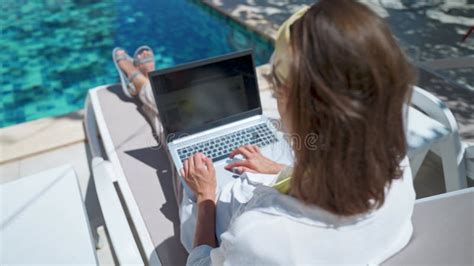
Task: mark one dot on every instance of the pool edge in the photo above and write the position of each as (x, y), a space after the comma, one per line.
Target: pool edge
(266, 31)
(37, 136)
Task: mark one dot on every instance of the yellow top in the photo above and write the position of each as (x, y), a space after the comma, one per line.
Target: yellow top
(283, 186)
(283, 183)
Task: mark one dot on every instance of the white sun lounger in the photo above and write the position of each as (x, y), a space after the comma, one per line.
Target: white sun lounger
(140, 174)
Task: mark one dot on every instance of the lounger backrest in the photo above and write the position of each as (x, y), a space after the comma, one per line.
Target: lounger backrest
(443, 231)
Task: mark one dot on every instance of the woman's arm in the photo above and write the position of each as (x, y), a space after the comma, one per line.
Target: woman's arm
(206, 223)
(200, 175)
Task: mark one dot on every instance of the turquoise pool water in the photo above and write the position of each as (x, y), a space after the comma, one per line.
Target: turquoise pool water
(52, 52)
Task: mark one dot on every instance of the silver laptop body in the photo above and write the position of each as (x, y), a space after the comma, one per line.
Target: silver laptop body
(213, 106)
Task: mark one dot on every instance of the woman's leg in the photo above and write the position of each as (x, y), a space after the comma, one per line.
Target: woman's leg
(130, 69)
(145, 94)
(142, 85)
(148, 66)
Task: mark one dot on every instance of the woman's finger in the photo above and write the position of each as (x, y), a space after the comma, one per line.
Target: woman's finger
(244, 169)
(240, 150)
(249, 148)
(237, 164)
(186, 167)
(257, 149)
(191, 163)
(198, 157)
(181, 172)
(208, 162)
(254, 148)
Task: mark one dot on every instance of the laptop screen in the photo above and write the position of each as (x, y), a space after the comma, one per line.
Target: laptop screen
(206, 94)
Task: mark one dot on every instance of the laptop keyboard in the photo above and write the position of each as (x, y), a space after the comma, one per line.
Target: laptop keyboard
(220, 147)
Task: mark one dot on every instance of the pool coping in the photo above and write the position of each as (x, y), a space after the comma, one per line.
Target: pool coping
(267, 30)
(34, 137)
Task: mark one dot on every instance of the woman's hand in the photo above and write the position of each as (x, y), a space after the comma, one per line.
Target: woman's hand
(200, 176)
(254, 162)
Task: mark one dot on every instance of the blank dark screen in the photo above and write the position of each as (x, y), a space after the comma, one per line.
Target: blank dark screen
(192, 98)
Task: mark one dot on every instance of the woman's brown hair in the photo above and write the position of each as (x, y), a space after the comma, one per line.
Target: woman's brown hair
(349, 81)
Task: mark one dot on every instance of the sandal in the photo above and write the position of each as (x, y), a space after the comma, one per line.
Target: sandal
(127, 85)
(137, 61)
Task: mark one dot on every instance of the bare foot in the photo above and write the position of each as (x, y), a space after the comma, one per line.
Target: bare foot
(148, 66)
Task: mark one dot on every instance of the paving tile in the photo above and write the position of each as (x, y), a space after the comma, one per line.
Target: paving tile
(269, 105)
(429, 180)
(9, 171)
(74, 154)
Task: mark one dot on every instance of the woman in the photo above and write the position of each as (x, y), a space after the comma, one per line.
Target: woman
(339, 73)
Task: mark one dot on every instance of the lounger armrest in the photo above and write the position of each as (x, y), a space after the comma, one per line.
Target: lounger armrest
(434, 108)
(118, 228)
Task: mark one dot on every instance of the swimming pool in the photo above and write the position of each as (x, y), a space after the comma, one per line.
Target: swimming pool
(52, 52)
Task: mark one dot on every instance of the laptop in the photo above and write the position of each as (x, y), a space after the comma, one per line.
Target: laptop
(213, 106)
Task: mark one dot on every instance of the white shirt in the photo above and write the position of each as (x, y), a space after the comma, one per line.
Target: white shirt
(256, 224)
